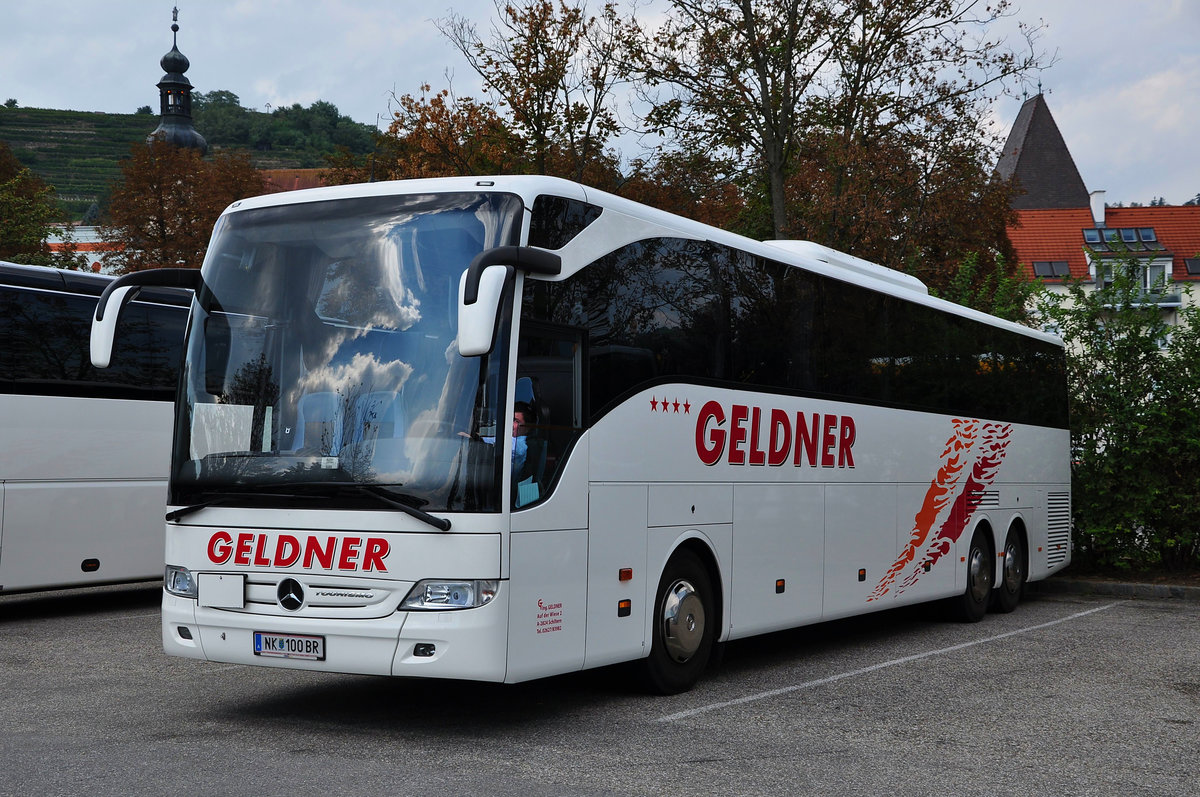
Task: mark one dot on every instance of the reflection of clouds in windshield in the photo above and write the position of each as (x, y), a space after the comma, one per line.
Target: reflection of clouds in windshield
(369, 291)
(364, 372)
(405, 308)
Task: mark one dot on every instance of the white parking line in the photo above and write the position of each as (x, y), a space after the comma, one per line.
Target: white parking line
(863, 671)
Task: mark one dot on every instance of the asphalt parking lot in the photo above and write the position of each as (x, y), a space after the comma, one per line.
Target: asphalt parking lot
(1071, 694)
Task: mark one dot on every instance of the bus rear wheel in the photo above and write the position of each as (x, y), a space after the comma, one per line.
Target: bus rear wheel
(973, 603)
(1008, 594)
(683, 626)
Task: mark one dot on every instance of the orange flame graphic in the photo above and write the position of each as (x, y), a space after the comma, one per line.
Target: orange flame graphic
(990, 453)
(941, 488)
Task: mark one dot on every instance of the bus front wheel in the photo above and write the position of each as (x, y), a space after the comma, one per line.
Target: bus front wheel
(683, 626)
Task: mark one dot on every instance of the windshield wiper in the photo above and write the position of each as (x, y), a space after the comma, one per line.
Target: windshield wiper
(381, 494)
(392, 499)
(173, 517)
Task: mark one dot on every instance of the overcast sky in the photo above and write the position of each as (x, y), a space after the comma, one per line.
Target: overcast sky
(1125, 91)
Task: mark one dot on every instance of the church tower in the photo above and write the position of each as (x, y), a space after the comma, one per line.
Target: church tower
(1036, 158)
(175, 98)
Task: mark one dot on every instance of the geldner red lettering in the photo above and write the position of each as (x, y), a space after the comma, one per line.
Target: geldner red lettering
(747, 435)
(286, 550)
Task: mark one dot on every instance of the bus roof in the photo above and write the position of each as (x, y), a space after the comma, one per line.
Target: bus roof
(640, 222)
(81, 282)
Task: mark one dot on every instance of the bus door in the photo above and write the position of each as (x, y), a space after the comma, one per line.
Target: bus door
(549, 541)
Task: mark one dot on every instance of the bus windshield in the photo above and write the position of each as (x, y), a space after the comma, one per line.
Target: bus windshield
(322, 364)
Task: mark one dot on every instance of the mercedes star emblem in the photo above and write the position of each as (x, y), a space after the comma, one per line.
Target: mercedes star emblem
(290, 594)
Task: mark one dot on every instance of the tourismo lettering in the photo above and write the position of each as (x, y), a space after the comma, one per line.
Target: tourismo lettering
(329, 552)
(747, 435)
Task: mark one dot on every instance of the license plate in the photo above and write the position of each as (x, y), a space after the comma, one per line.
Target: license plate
(289, 646)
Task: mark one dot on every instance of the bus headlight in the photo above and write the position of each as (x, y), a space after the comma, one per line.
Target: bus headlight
(433, 594)
(180, 581)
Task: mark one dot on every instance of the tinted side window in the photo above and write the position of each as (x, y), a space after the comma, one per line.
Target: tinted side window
(44, 347)
(556, 220)
(683, 310)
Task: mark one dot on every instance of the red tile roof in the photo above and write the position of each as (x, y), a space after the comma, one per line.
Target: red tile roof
(1058, 234)
(293, 179)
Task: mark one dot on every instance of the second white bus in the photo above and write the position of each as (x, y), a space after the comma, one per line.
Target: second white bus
(84, 452)
(504, 428)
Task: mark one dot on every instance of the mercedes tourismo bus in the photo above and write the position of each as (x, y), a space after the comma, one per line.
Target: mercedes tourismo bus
(84, 453)
(503, 428)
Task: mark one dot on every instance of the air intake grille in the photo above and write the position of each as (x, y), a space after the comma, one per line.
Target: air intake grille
(977, 498)
(1058, 527)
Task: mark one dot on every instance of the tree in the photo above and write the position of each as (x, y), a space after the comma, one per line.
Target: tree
(990, 288)
(164, 206)
(221, 116)
(1134, 382)
(553, 70)
(737, 75)
(692, 184)
(26, 210)
(833, 106)
(28, 213)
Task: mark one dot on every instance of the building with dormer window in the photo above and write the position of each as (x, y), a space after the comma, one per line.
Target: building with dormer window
(1062, 231)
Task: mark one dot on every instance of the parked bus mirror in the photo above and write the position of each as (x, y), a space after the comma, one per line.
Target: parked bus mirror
(104, 330)
(477, 319)
(120, 292)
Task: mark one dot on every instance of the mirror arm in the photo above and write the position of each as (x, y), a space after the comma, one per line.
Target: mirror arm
(156, 277)
(524, 258)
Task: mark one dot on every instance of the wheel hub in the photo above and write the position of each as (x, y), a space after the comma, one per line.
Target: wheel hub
(682, 621)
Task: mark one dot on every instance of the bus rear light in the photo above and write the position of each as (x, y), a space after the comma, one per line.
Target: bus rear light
(179, 581)
(438, 594)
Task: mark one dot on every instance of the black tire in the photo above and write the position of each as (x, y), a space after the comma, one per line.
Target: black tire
(972, 605)
(684, 619)
(1008, 594)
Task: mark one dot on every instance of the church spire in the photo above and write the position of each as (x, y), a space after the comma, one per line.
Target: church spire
(1037, 160)
(175, 98)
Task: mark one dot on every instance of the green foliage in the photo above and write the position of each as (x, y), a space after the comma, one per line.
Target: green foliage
(25, 220)
(1135, 422)
(27, 211)
(79, 153)
(76, 152)
(995, 289)
(305, 136)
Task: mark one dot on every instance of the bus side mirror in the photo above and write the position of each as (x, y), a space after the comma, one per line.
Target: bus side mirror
(477, 319)
(481, 288)
(119, 293)
(104, 324)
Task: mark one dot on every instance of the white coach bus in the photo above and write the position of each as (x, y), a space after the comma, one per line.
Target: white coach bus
(503, 428)
(84, 453)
